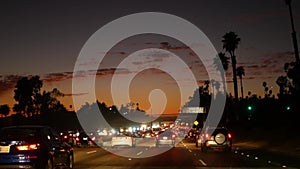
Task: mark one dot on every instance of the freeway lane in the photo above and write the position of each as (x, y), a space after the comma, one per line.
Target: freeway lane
(183, 156)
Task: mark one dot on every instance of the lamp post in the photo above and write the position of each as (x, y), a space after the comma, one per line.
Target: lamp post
(288, 2)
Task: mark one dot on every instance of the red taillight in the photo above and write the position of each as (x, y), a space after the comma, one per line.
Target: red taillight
(65, 137)
(206, 135)
(77, 139)
(94, 138)
(157, 136)
(173, 135)
(28, 147)
(229, 135)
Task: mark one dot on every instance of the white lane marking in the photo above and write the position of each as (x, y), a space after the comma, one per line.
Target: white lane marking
(139, 153)
(91, 152)
(202, 162)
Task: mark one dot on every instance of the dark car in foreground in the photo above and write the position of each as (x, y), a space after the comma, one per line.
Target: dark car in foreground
(36, 147)
(215, 138)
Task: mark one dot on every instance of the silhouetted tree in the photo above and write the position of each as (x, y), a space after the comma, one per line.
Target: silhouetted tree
(240, 71)
(230, 44)
(282, 82)
(293, 72)
(26, 92)
(4, 110)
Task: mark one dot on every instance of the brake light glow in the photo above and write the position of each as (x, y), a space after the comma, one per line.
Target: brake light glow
(173, 136)
(206, 135)
(28, 147)
(65, 137)
(229, 135)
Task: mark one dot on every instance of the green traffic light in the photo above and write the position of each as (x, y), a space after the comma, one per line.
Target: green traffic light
(249, 107)
(288, 108)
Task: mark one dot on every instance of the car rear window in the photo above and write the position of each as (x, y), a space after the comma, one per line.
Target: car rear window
(18, 134)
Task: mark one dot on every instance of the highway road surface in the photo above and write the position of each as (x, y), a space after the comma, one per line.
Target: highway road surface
(184, 156)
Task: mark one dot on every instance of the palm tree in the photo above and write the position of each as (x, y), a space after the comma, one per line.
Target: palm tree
(230, 43)
(240, 71)
(225, 63)
(294, 36)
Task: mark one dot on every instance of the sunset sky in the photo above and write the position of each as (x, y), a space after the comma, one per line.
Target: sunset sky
(45, 38)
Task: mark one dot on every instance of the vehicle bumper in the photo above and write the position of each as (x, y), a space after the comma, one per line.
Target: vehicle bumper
(14, 166)
(121, 143)
(18, 161)
(166, 142)
(213, 144)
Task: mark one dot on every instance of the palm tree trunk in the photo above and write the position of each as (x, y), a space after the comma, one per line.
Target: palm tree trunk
(242, 90)
(233, 60)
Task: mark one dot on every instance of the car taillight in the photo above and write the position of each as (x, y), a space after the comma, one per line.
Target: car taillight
(229, 135)
(173, 136)
(206, 135)
(65, 137)
(157, 136)
(28, 147)
(94, 138)
(77, 139)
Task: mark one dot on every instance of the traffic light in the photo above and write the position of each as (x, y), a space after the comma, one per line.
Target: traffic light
(249, 108)
(288, 107)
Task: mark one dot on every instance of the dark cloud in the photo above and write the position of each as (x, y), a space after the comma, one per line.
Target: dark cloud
(168, 46)
(8, 82)
(57, 76)
(75, 94)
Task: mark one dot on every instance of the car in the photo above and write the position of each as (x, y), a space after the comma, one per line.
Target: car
(165, 138)
(122, 140)
(215, 138)
(148, 134)
(33, 146)
(156, 130)
(83, 140)
(69, 137)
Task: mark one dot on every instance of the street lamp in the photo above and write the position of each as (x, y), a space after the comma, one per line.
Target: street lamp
(288, 2)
